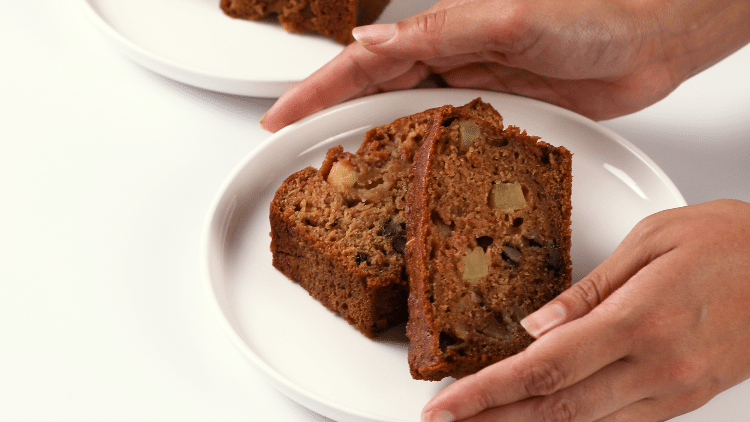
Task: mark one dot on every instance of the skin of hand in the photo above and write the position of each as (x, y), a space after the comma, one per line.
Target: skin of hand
(655, 331)
(600, 59)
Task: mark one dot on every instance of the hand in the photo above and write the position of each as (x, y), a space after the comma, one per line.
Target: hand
(656, 330)
(600, 59)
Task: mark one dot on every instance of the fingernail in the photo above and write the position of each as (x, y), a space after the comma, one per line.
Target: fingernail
(544, 319)
(262, 123)
(374, 34)
(440, 416)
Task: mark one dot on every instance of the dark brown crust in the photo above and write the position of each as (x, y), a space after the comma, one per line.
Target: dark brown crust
(331, 18)
(422, 353)
(429, 358)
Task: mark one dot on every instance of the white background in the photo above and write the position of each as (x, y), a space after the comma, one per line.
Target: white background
(107, 171)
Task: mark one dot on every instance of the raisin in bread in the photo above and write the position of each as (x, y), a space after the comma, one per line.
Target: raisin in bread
(488, 217)
(340, 231)
(331, 18)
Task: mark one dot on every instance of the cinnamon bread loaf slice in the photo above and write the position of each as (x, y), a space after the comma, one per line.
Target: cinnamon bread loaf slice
(488, 222)
(341, 231)
(331, 18)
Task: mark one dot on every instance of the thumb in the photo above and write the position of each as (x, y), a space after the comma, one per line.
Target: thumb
(634, 253)
(571, 304)
(437, 32)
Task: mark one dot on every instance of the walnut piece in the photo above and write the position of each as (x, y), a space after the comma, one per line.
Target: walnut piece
(444, 229)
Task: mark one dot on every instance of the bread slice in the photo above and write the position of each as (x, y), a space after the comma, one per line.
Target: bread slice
(331, 18)
(488, 218)
(341, 231)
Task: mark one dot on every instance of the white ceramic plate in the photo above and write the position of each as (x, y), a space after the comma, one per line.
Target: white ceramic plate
(194, 42)
(315, 357)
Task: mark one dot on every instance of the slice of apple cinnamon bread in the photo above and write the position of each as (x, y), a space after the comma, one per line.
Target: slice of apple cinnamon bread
(488, 218)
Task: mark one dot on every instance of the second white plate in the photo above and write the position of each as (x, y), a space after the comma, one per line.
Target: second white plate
(194, 42)
(314, 356)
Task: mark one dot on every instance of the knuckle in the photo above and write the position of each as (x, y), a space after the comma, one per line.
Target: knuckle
(483, 400)
(431, 23)
(479, 398)
(686, 374)
(542, 378)
(685, 402)
(648, 228)
(590, 291)
(696, 398)
(320, 95)
(359, 73)
(513, 31)
(557, 409)
(430, 27)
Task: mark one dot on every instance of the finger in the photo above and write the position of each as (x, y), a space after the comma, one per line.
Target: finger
(595, 99)
(558, 360)
(637, 250)
(645, 410)
(353, 72)
(494, 76)
(444, 31)
(411, 78)
(613, 388)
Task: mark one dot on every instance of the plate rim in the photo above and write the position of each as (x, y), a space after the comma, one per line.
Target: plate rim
(304, 396)
(181, 72)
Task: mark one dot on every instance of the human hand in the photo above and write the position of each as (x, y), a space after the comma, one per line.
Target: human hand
(600, 59)
(655, 331)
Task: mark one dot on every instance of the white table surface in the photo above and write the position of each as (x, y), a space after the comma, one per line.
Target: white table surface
(107, 171)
